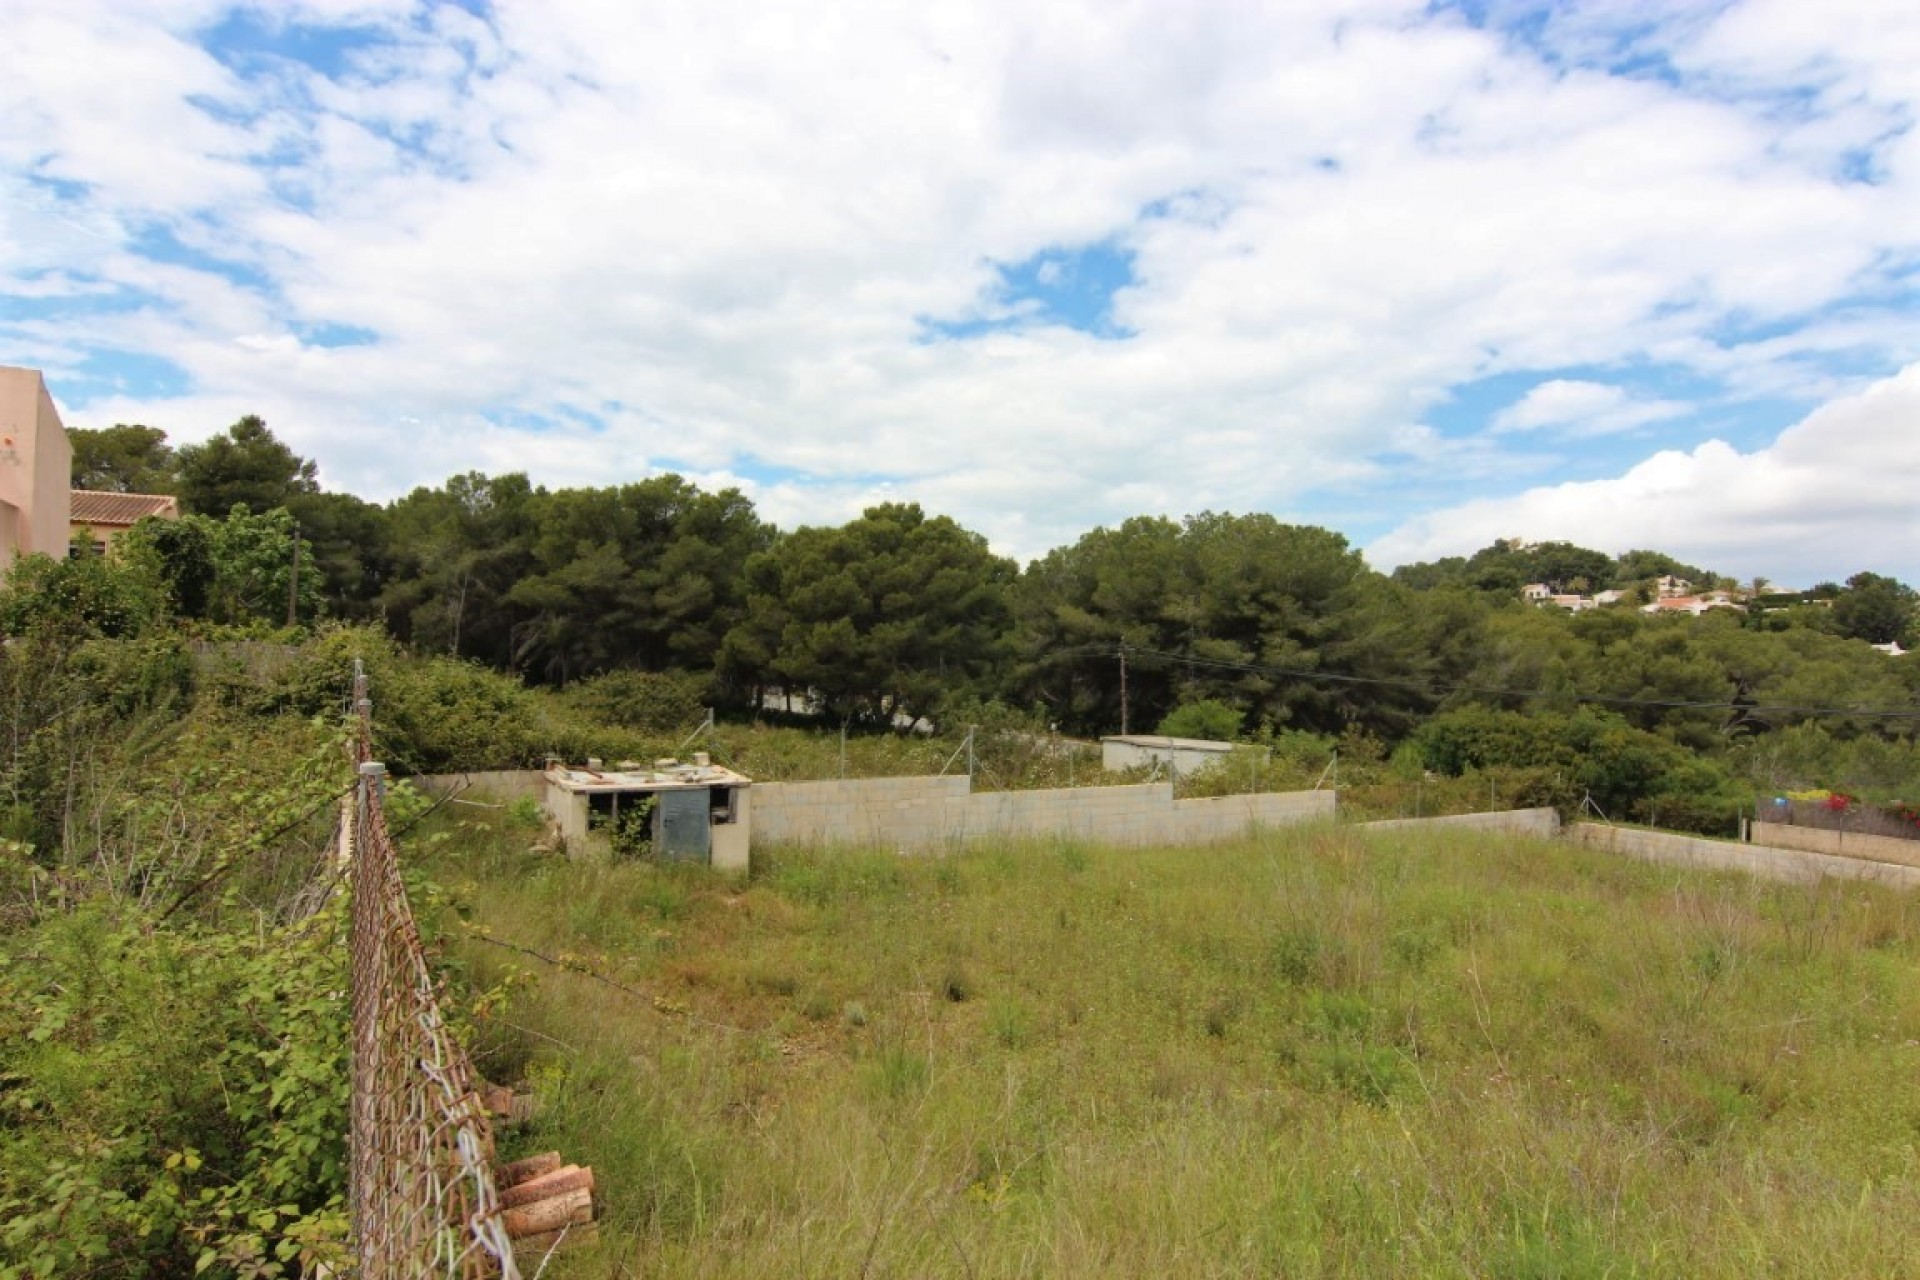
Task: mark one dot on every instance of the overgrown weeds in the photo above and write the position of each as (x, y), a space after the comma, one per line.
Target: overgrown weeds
(1314, 1053)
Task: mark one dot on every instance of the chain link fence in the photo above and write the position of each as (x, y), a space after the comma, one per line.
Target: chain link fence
(423, 1196)
(1840, 814)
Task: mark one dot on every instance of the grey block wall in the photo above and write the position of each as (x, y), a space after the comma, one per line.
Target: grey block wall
(924, 813)
(1519, 822)
(1726, 855)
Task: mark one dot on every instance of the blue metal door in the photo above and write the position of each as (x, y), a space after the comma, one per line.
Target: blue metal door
(684, 833)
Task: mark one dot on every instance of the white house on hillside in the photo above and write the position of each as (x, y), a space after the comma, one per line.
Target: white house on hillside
(1668, 587)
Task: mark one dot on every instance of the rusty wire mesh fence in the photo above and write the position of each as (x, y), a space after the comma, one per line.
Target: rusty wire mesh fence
(423, 1196)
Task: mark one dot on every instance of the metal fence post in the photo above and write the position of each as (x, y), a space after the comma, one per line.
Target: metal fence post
(421, 1190)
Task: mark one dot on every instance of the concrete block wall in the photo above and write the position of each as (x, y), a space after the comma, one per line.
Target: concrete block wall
(1224, 817)
(922, 813)
(1139, 814)
(1726, 855)
(1519, 822)
(1843, 844)
(881, 811)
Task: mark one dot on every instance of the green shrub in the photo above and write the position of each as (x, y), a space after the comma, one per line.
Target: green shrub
(172, 1100)
(1207, 718)
(660, 701)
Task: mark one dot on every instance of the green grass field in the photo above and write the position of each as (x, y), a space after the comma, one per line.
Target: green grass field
(1310, 1053)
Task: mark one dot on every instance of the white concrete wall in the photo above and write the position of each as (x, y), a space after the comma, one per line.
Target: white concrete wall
(923, 813)
(733, 841)
(1118, 757)
(1726, 855)
(1843, 844)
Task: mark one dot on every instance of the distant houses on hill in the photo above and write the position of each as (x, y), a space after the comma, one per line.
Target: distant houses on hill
(1671, 594)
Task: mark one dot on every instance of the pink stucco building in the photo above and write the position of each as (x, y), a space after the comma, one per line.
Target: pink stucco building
(36, 465)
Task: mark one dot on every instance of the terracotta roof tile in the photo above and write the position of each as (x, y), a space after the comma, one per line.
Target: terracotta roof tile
(95, 508)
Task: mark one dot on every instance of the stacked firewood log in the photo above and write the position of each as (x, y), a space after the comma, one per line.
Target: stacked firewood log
(545, 1203)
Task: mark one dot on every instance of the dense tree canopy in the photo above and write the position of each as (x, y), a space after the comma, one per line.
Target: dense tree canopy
(1876, 609)
(458, 550)
(882, 617)
(659, 586)
(244, 465)
(1218, 606)
(122, 459)
(645, 575)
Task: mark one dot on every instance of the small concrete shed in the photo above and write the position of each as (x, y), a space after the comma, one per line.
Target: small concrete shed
(698, 812)
(1138, 751)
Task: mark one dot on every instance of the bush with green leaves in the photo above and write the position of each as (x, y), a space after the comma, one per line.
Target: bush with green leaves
(436, 714)
(86, 596)
(1595, 756)
(1205, 718)
(662, 701)
(172, 983)
(171, 1100)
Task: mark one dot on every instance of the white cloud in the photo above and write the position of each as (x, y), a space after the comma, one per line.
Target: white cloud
(1834, 494)
(1581, 408)
(707, 235)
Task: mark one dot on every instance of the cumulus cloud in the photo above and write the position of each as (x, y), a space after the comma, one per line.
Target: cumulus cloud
(1582, 408)
(1835, 493)
(590, 240)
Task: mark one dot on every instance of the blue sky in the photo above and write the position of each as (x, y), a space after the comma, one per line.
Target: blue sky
(1633, 273)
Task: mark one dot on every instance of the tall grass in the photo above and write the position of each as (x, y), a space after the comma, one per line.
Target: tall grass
(1310, 1053)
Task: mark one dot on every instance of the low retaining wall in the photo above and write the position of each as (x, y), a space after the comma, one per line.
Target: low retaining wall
(1842, 844)
(921, 813)
(1519, 822)
(1725, 855)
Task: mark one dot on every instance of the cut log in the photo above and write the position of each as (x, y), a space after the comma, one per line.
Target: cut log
(567, 1178)
(532, 1167)
(551, 1214)
(497, 1098)
(521, 1107)
(534, 1248)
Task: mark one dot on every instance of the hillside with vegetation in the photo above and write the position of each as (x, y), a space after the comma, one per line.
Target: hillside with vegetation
(644, 599)
(1313, 1053)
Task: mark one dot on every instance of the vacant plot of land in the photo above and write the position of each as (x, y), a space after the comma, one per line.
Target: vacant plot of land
(1312, 1053)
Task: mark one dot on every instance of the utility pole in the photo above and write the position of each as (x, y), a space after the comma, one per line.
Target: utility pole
(1123, 690)
(293, 579)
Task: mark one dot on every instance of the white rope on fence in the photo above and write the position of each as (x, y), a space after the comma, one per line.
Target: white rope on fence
(423, 1197)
